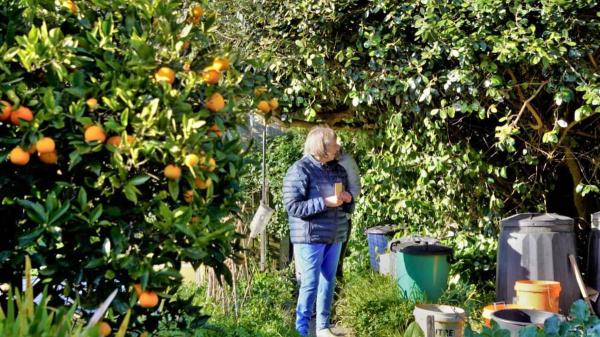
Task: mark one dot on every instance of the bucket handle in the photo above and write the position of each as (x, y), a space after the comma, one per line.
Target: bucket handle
(496, 303)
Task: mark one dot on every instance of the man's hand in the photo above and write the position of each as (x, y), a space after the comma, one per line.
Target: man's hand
(333, 201)
(346, 197)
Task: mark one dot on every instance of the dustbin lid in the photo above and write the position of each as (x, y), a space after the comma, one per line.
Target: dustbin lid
(536, 220)
(596, 220)
(383, 229)
(420, 245)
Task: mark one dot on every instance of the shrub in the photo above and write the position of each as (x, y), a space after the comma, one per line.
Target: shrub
(118, 86)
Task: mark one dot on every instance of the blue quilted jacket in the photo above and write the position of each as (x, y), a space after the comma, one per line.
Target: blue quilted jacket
(305, 185)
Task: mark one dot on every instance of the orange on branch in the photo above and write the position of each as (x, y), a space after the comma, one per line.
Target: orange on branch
(148, 299)
(48, 157)
(165, 74)
(263, 106)
(45, 145)
(215, 102)
(211, 75)
(22, 113)
(94, 133)
(104, 328)
(6, 110)
(274, 103)
(172, 172)
(221, 64)
(188, 196)
(18, 156)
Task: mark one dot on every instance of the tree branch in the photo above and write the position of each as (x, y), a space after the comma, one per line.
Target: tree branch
(527, 103)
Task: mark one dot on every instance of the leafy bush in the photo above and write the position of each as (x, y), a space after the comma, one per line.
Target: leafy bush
(268, 311)
(372, 304)
(122, 91)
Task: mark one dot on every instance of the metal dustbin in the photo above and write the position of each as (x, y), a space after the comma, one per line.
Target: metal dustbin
(422, 267)
(378, 238)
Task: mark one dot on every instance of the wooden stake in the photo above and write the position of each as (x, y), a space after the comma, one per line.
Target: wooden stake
(580, 282)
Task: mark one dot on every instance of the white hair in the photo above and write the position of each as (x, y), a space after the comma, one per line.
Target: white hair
(317, 140)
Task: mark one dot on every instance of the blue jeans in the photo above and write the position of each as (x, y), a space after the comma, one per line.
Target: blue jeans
(318, 264)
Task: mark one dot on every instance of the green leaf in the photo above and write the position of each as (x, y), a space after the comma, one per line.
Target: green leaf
(528, 331)
(31, 236)
(579, 311)
(82, 198)
(96, 213)
(139, 180)
(35, 211)
(56, 215)
(173, 189)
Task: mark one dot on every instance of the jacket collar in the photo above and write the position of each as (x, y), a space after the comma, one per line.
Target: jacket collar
(318, 163)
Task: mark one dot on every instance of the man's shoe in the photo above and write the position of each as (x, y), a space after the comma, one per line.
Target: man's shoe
(326, 333)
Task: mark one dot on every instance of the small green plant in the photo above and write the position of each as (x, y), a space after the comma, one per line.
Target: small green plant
(372, 305)
(25, 318)
(581, 323)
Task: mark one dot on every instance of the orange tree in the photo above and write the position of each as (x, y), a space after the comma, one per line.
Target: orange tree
(119, 155)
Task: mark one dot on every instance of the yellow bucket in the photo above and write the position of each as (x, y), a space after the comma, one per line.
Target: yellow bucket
(538, 294)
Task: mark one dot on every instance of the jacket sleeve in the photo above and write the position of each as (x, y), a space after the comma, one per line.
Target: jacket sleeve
(295, 194)
(354, 186)
(349, 207)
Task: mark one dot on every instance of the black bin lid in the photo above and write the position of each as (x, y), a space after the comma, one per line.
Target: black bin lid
(420, 245)
(596, 220)
(536, 220)
(382, 229)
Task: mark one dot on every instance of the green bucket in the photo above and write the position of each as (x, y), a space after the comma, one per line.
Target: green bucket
(421, 267)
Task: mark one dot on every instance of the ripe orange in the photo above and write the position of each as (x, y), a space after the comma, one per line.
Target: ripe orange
(92, 103)
(148, 299)
(215, 102)
(114, 141)
(23, 113)
(215, 128)
(48, 157)
(202, 184)
(172, 172)
(211, 75)
(263, 106)
(274, 103)
(191, 160)
(165, 74)
(104, 328)
(94, 133)
(197, 11)
(18, 156)
(130, 139)
(45, 145)
(6, 110)
(221, 64)
(188, 196)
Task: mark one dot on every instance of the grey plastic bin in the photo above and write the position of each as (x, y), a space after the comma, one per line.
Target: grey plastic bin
(536, 246)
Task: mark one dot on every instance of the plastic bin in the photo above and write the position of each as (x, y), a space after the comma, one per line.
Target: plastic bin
(378, 238)
(536, 246)
(422, 267)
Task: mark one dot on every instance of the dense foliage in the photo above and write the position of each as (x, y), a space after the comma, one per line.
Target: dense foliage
(517, 82)
(121, 158)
